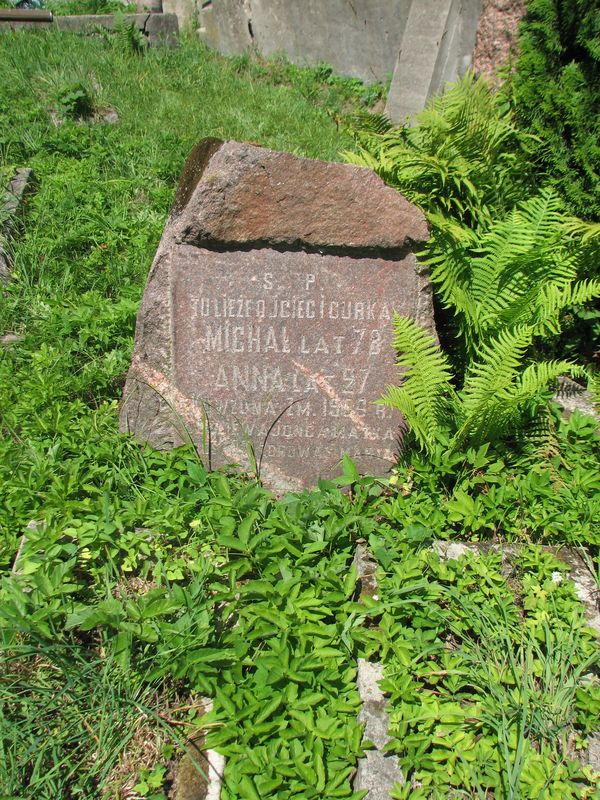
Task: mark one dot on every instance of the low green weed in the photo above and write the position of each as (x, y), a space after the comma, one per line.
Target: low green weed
(488, 492)
(61, 7)
(76, 102)
(138, 569)
(133, 580)
(68, 720)
(337, 94)
(238, 597)
(492, 688)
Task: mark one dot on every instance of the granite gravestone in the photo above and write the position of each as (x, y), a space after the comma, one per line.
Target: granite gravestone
(266, 323)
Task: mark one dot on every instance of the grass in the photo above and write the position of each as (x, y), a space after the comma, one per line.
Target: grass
(80, 6)
(73, 720)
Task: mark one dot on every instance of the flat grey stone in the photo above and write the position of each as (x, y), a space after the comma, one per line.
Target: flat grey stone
(10, 339)
(593, 751)
(571, 397)
(378, 772)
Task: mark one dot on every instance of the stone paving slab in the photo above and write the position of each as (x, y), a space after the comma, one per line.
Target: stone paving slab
(378, 772)
(16, 191)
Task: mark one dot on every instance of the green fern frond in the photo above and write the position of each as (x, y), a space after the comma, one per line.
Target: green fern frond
(426, 397)
(128, 35)
(538, 376)
(538, 440)
(512, 246)
(361, 158)
(366, 123)
(489, 385)
(506, 267)
(498, 390)
(498, 363)
(554, 298)
(517, 257)
(585, 231)
(457, 233)
(463, 157)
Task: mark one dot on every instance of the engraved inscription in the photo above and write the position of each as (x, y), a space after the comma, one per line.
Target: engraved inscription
(290, 351)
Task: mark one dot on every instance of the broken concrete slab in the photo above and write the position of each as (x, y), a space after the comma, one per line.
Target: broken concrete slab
(159, 29)
(359, 39)
(226, 26)
(418, 65)
(424, 43)
(378, 772)
(366, 569)
(16, 193)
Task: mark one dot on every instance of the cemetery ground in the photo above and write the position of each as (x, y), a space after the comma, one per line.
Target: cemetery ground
(135, 583)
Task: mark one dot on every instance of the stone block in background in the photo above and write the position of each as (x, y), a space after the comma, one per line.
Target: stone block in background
(266, 322)
(436, 48)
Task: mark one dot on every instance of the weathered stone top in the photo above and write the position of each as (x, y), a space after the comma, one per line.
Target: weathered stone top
(238, 193)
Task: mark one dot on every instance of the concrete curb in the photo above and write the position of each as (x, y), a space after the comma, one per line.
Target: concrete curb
(16, 192)
(423, 43)
(157, 28)
(436, 49)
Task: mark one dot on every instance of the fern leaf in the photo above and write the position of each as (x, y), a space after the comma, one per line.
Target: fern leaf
(585, 231)
(362, 158)
(517, 258)
(488, 384)
(425, 398)
(365, 122)
(536, 377)
(556, 297)
(538, 440)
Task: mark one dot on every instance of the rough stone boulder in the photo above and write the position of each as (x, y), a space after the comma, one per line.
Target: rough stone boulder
(265, 329)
